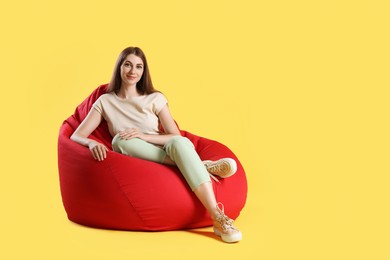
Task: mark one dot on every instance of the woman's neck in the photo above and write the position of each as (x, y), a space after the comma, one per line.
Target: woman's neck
(128, 91)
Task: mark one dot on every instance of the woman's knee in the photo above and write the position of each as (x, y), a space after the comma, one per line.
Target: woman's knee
(124, 146)
(116, 143)
(179, 141)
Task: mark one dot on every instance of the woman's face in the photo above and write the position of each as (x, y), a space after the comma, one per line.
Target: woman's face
(132, 70)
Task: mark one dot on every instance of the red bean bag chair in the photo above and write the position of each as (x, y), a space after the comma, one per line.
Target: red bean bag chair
(128, 193)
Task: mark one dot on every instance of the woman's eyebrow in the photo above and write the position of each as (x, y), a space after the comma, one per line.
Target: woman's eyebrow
(132, 63)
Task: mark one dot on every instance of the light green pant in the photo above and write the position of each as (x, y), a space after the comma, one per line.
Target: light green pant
(179, 149)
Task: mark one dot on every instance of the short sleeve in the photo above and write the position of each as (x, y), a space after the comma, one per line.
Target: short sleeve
(159, 102)
(98, 105)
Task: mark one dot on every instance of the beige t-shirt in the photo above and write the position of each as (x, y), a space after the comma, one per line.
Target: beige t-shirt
(136, 112)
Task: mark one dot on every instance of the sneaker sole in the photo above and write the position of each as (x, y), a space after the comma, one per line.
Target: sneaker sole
(233, 238)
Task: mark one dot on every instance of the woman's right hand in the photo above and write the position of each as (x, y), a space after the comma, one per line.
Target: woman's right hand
(98, 150)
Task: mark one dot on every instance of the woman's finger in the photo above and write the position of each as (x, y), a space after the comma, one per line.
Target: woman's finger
(104, 152)
(95, 153)
(99, 152)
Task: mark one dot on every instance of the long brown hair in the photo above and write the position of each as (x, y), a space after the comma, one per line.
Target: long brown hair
(144, 85)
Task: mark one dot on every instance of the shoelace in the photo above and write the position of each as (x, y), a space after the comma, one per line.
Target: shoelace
(225, 222)
(216, 167)
(212, 169)
(214, 178)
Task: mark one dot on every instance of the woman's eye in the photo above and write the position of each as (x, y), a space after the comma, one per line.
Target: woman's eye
(139, 67)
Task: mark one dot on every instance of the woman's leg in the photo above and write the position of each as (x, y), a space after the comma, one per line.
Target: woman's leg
(205, 194)
(182, 152)
(138, 148)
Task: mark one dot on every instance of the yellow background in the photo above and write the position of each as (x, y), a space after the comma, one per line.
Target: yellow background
(297, 89)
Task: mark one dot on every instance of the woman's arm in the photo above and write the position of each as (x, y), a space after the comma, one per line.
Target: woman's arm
(167, 122)
(89, 124)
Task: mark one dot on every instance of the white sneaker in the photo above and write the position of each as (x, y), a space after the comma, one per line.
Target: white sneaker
(224, 227)
(223, 168)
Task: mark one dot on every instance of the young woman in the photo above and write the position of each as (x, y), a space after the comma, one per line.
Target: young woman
(133, 110)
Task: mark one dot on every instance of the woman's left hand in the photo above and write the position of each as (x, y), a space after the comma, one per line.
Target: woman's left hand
(131, 133)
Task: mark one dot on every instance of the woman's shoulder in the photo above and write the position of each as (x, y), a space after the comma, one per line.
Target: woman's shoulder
(157, 95)
(107, 96)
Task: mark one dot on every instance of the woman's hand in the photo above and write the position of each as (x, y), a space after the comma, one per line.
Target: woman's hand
(98, 150)
(131, 133)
